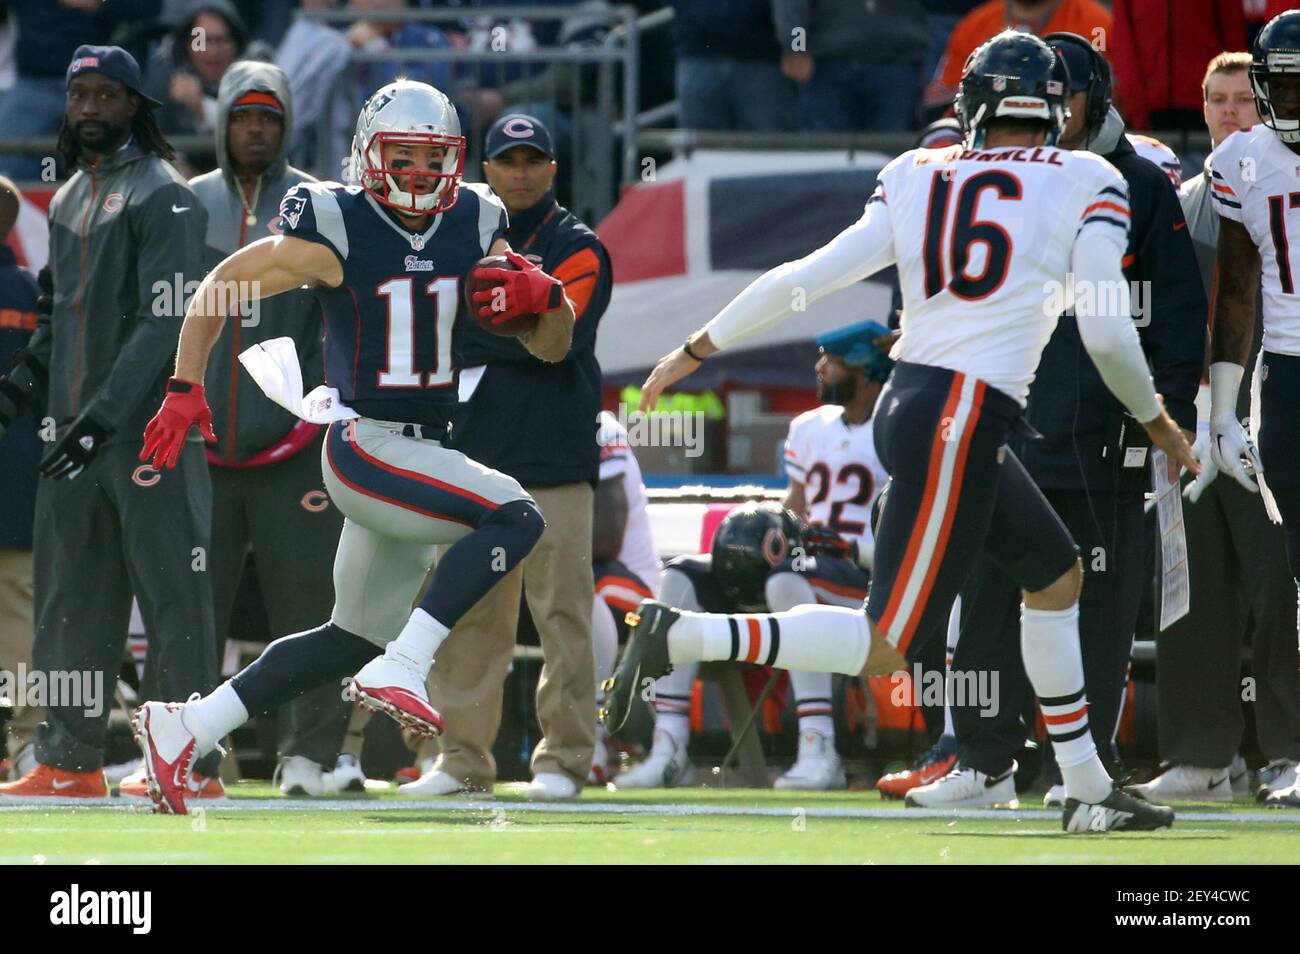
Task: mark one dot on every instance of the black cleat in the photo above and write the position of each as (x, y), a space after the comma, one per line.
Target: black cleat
(644, 660)
(1121, 811)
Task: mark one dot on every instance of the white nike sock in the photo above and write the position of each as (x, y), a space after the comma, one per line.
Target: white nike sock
(1049, 645)
(213, 717)
(812, 702)
(954, 633)
(604, 644)
(807, 638)
(418, 641)
(673, 702)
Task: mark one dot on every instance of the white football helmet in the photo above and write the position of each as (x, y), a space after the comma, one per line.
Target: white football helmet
(415, 114)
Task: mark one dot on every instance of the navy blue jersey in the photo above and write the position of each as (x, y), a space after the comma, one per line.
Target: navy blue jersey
(389, 346)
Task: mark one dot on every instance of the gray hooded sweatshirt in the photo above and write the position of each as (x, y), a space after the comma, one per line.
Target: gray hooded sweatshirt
(246, 421)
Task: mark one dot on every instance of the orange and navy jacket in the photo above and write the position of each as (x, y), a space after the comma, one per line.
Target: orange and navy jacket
(20, 447)
(534, 420)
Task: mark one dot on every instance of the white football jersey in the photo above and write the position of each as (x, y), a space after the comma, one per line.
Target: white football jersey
(616, 458)
(838, 467)
(983, 242)
(1255, 180)
(1154, 151)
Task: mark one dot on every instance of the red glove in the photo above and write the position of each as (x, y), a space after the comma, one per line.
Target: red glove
(184, 406)
(528, 291)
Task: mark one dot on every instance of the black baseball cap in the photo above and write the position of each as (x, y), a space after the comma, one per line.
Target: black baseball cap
(111, 61)
(1070, 47)
(518, 129)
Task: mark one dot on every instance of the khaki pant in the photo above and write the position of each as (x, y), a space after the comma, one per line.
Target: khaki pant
(467, 681)
(16, 632)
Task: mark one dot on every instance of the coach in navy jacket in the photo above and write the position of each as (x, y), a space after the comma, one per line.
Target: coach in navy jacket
(536, 422)
(20, 452)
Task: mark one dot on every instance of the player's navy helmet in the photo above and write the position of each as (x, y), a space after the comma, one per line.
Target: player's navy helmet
(751, 540)
(1012, 76)
(1277, 51)
(415, 114)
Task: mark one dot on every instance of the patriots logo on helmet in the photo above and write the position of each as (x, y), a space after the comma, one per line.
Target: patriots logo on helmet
(376, 103)
(291, 209)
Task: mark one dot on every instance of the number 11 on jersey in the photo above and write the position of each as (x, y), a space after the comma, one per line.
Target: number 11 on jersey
(399, 370)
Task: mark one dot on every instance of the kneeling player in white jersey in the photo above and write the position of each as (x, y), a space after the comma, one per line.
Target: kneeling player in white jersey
(1256, 189)
(624, 561)
(999, 227)
(835, 478)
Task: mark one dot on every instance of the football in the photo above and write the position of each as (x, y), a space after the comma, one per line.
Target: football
(512, 328)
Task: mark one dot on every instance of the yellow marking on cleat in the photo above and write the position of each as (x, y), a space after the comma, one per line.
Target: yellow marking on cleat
(632, 618)
(607, 685)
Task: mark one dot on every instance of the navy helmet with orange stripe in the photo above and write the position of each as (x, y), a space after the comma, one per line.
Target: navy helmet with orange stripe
(749, 542)
(1015, 76)
(1273, 75)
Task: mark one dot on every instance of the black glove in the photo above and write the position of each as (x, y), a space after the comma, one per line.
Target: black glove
(75, 449)
(45, 302)
(24, 378)
(823, 541)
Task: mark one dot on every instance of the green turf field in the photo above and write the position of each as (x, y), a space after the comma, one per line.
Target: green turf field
(696, 826)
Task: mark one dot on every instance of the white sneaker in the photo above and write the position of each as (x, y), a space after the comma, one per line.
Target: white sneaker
(1055, 797)
(346, 776)
(435, 783)
(967, 788)
(300, 777)
(549, 786)
(1187, 783)
(24, 762)
(169, 751)
(817, 767)
(599, 772)
(123, 770)
(1239, 776)
(667, 766)
(1275, 776)
(391, 685)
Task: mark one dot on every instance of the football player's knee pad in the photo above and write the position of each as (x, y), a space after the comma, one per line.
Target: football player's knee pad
(521, 518)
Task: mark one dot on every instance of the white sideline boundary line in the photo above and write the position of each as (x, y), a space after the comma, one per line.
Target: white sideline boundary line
(492, 807)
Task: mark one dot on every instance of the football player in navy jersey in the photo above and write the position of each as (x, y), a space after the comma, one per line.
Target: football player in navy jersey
(387, 258)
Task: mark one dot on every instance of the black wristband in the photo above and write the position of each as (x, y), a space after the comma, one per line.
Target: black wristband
(686, 346)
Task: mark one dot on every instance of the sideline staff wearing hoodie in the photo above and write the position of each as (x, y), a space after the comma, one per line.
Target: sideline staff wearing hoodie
(247, 422)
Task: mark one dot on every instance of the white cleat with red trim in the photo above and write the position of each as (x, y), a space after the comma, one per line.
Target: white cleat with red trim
(390, 685)
(169, 753)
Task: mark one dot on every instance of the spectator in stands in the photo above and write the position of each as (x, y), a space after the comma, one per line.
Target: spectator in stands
(185, 72)
(382, 36)
(50, 32)
(1157, 49)
(728, 67)
(941, 18)
(1088, 18)
(1236, 562)
(536, 422)
(20, 450)
(314, 55)
(858, 67)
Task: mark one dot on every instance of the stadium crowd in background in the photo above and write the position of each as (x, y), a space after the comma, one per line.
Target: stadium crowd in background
(263, 85)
